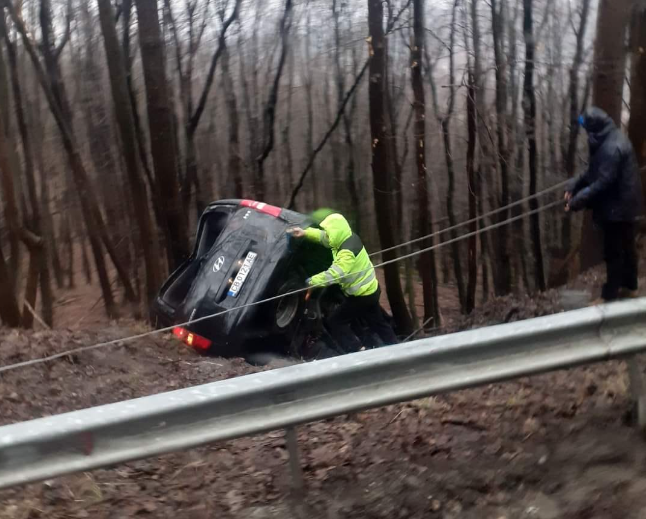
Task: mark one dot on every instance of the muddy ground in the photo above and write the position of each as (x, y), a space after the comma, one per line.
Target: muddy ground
(554, 446)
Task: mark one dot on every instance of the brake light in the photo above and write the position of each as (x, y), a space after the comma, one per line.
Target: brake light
(262, 207)
(191, 339)
(179, 332)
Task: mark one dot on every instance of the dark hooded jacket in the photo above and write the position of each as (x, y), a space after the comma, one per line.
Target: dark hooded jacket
(611, 186)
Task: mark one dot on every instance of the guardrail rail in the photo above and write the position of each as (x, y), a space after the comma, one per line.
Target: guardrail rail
(285, 398)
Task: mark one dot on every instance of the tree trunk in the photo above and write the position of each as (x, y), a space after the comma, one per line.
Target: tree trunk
(38, 256)
(269, 119)
(382, 162)
(66, 236)
(308, 83)
(235, 158)
(472, 265)
(529, 105)
(445, 127)
(486, 167)
(161, 128)
(11, 214)
(99, 132)
(636, 127)
(575, 110)
(348, 118)
(51, 260)
(607, 93)
(503, 267)
(59, 106)
(123, 109)
(9, 310)
(287, 167)
(427, 263)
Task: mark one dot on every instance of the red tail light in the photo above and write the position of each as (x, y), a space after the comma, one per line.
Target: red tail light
(262, 207)
(191, 339)
(179, 332)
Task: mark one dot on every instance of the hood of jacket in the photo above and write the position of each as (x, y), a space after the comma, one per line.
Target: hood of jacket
(337, 229)
(599, 125)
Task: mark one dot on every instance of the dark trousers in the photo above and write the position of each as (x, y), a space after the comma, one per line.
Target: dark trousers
(620, 254)
(350, 311)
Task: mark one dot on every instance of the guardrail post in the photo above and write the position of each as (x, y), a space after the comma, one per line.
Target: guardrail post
(294, 458)
(638, 392)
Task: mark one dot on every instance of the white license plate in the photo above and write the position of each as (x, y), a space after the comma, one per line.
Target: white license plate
(234, 290)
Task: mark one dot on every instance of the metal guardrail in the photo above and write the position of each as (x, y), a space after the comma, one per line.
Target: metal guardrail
(284, 398)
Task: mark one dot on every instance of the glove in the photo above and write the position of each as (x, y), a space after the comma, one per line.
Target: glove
(308, 281)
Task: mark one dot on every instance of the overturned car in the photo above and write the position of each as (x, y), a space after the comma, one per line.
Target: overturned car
(243, 256)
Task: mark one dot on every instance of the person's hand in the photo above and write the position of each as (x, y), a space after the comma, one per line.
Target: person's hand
(296, 232)
(567, 197)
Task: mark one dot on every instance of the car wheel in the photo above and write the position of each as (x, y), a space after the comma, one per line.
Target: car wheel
(289, 309)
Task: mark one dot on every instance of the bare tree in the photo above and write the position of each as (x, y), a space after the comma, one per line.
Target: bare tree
(123, 110)
(38, 268)
(575, 109)
(160, 123)
(486, 167)
(52, 85)
(269, 119)
(382, 161)
(472, 188)
(529, 105)
(444, 119)
(636, 126)
(193, 113)
(9, 310)
(11, 217)
(350, 94)
(607, 89)
(235, 163)
(503, 268)
(427, 264)
(308, 84)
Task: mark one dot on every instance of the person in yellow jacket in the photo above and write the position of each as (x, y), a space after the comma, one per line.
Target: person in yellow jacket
(353, 271)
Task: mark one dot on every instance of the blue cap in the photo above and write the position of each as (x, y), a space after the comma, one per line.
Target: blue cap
(582, 121)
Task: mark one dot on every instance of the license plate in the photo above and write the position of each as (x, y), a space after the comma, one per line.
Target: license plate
(234, 290)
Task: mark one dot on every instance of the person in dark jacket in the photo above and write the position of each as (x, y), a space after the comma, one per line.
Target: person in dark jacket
(611, 188)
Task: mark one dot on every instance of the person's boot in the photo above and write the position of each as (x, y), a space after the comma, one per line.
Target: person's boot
(626, 293)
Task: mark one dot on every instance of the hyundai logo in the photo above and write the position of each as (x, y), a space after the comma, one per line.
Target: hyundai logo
(219, 263)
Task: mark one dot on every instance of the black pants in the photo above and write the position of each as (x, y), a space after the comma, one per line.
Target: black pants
(350, 311)
(620, 254)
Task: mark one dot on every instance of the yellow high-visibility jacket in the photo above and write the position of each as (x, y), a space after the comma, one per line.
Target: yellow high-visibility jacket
(351, 268)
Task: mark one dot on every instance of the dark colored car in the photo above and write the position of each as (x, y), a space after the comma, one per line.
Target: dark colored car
(244, 255)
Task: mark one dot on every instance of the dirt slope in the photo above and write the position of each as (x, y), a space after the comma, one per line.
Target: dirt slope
(554, 446)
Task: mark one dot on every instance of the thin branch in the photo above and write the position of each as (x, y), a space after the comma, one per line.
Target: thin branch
(272, 101)
(394, 19)
(202, 28)
(178, 45)
(201, 105)
(68, 32)
(321, 145)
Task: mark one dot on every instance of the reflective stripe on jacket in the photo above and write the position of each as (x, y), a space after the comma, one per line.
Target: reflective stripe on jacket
(351, 268)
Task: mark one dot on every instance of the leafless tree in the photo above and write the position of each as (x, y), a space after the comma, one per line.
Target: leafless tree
(529, 105)
(382, 160)
(427, 261)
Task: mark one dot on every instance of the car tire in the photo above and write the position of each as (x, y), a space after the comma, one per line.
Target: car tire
(288, 310)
